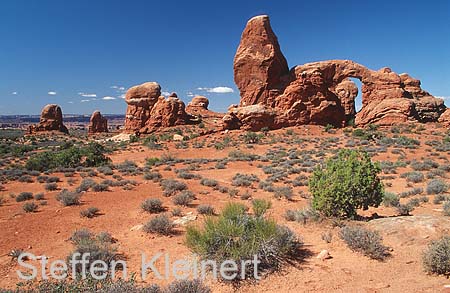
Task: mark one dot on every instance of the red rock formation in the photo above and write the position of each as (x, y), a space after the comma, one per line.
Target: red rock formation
(51, 120)
(445, 118)
(140, 100)
(147, 110)
(98, 123)
(320, 92)
(260, 69)
(198, 107)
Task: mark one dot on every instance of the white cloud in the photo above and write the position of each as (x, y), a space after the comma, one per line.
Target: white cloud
(217, 90)
(51, 93)
(165, 94)
(84, 101)
(87, 95)
(443, 97)
(70, 102)
(122, 96)
(107, 98)
(190, 94)
(14, 93)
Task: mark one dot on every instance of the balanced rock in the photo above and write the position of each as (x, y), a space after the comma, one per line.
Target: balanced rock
(198, 105)
(148, 111)
(320, 92)
(51, 120)
(140, 100)
(98, 123)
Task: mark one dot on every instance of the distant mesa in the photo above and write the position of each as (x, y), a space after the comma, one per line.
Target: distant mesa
(148, 111)
(51, 120)
(320, 92)
(98, 123)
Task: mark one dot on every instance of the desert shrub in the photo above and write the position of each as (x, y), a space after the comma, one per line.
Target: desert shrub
(446, 208)
(439, 198)
(364, 241)
(23, 196)
(53, 179)
(209, 182)
(346, 183)
(436, 186)
(51, 186)
(425, 165)
(390, 199)
(251, 137)
(100, 187)
(160, 224)
(260, 206)
(30, 207)
(39, 196)
(283, 191)
(405, 209)
(90, 212)
(413, 176)
(154, 176)
(436, 259)
(244, 180)
(86, 243)
(177, 212)
(411, 192)
(303, 216)
(85, 285)
(172, 186)
(25, 179)
(2, 200)
(273, 244)
(183, 199)
(106, 170)
(152, 205)
(68, 198)
(85, 184)
(205, 209)
(187, 286)
(187, 175)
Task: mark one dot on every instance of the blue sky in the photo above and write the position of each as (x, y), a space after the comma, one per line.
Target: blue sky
(65, 52)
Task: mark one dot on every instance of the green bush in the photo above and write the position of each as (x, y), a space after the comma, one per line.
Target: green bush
(365, 241)
(237, 235)
(345, 183)
(390, 199)
(436, 259)
(90, 155)
(260, 206)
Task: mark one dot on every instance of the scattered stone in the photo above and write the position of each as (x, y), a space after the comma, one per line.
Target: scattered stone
(177, 137)
(185, 219)
(137, 227)
(324, 254)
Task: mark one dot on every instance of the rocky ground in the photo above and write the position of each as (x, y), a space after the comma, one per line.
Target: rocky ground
(283, 157)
